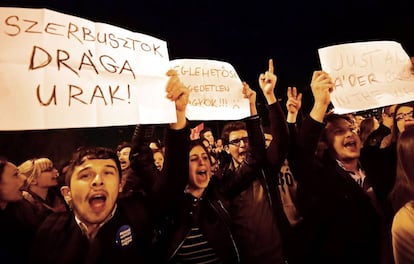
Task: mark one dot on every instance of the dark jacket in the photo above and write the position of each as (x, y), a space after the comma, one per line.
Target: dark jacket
(128, 236)
(255, 225)
(18, 224)
(342, 224)
(54, 201)
(210, 214)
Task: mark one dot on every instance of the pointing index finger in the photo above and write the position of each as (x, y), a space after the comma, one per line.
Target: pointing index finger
(270, 65)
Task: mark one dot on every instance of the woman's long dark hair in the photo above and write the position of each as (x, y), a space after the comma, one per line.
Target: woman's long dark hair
(403, 190)
(3, 162)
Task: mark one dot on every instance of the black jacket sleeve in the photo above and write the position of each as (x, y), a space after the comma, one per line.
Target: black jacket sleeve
(277, 150)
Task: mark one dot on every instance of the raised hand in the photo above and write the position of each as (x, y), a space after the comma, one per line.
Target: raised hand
(322, 85)
(251, 95)
(293, 104)
(267, 82)
(177, 92)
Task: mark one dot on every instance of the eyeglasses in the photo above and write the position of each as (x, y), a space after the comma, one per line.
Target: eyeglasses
(236, 142)
(402, 116)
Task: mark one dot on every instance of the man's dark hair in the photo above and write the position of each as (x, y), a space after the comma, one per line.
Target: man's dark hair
(331, 118)
(230, 127)
(83, 153)
(204, 130)
(124, 144)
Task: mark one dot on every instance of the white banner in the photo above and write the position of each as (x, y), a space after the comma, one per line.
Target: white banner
(368, 75)
(215, 89)
(61, 71)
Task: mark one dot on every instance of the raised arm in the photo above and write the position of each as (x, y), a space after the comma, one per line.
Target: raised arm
(277, 150)
(176, 149)
(177, 141)
(267, 82)
(322, 86)
(178, 93)
(251, 95)
(293, 104)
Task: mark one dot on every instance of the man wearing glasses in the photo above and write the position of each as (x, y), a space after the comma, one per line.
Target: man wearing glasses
(255, 225)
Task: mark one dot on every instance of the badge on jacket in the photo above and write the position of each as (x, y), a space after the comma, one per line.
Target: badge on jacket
(124, 236)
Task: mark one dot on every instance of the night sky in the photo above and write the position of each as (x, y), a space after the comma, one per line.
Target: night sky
(244, 33)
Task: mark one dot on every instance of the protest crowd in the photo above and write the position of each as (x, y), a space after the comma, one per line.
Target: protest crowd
(305, 187)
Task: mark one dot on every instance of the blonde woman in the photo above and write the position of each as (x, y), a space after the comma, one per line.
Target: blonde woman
(41, 189)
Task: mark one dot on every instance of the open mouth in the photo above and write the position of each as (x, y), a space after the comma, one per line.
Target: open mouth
(350, 145)
(243, 154)
(97, 202)
(202, 174)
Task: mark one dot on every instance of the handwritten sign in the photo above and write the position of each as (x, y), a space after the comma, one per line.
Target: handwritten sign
(215, 89)
(61, 71)
(368, 75)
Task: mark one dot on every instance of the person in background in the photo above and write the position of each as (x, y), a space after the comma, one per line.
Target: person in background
(291, 219)
(404, 121)
(220, 153)
(207, 133)
(255, 223)
(156, 144)
(219, 145)
(384, 135)
(403, 222)
(158, 159)
(123, 151)
(366, 127)
(403, 116)
(207, 137)
(341, 209)
(128, 181)
(358, 120)
(379, 156)
(42, 190)
(18, 222)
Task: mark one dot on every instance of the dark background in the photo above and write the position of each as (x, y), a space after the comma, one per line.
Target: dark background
(244, 33)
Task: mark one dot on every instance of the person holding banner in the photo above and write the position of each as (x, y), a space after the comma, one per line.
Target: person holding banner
(101, 228)
(200, 229)
(340, 204)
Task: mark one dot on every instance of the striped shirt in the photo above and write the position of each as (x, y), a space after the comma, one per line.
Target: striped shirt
(195, 249)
